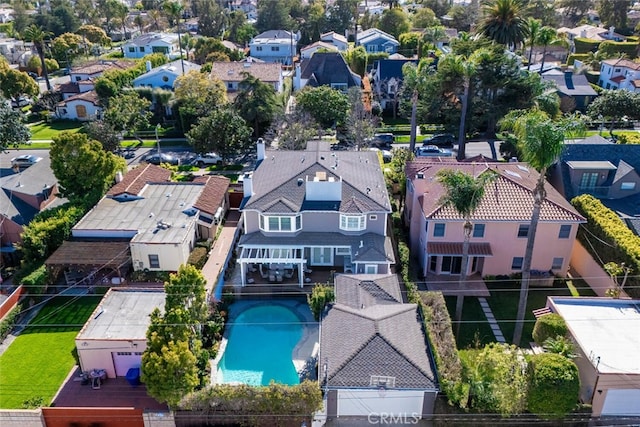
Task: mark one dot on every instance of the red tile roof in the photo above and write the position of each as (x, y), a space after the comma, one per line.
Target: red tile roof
(90, 96)
(213, 194)
(136, 179)
(508, 198)
(102, 66)
(617, 79)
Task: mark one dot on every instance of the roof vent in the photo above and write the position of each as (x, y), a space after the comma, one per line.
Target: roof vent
(420, 175)
(300, 181)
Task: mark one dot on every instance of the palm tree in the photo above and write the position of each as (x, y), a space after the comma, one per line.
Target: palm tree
(433, 35)
(173, 9)
(533, 29)
(463, 193)
(121, 15)
(37, 36)
(503, 22)
(541, 140)
(415, 79)
(548, 36)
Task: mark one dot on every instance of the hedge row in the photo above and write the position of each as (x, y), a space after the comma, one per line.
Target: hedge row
(437, 325)
(198, 257)
(613, 241)
(584, 45)
(9, 321)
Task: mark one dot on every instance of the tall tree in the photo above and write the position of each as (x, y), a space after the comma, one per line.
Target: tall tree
(14, 83)
(503, 22)
(548, 36)
(256, 103)
(424, 17)
(83, 169)
(360, 122)
(13, 131)
(341, 15)
(394, 21)
(575, 10)
(174, 10)
(613, 13)
(533, 31)
(327, 106)
(212, 18)
(195, 95)
(128, 112)
(292, 131)
(21, 17)
(463, 193)
(273, 15)
(541, 141)
(222, 131)
(613, 105)
(37, 36)
(415, 82)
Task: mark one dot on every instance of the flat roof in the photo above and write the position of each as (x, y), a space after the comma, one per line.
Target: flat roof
(591, 165)
(163, 213)
(122, 315)
(606, 329)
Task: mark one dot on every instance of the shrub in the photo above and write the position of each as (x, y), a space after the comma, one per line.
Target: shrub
(198, 257)
(549, 326)
(614, 49)
(9, 321)
(554, 385)
(625, 138)
(37, 280)
(583, 45)
(320, 296)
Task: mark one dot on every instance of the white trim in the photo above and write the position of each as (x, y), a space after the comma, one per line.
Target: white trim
(346, 226)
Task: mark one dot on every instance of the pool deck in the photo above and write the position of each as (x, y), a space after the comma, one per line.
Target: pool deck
(304, 353)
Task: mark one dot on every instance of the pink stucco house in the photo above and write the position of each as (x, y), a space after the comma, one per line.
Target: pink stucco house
(501, 222)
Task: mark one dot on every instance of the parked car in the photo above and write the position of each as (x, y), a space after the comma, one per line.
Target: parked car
(383, 140)
(207, 159)
(386, 154)
(20, 102)
(158, 158)
(440, 140)
(341, 146)
(24, 161)
(432, 151)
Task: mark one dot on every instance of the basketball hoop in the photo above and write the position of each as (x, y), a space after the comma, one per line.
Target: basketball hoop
(382, 392)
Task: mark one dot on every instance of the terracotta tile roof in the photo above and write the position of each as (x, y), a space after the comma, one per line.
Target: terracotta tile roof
(102, 66)
(233, 71)
(617, 79)
(136, 179)
(213, 194)
(635, 83)
(622, 63)
(90, 96)
(508, 198)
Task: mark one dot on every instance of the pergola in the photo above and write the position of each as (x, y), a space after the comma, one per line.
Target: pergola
(88, 256)
(278, 255)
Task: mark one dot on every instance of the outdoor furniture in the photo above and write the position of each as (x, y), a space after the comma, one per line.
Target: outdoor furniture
(97, 376)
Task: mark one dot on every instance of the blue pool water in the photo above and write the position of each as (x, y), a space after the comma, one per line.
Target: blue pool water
(259, 348)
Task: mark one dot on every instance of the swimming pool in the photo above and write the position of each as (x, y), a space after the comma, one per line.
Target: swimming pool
(261, 340)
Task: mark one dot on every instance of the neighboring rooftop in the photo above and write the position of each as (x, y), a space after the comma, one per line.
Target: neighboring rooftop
(365, 290)
(122, 315)
(99, 67)
(137, 178)
(325, 68)
(606, 329)
(234, 71)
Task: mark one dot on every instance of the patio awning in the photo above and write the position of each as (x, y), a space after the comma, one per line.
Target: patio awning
(272, 255)
(90, 254)
(455, 248)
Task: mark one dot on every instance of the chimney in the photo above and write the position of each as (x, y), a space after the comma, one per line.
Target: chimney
(247, 185)
(583, 34)
(261, 149)
(119, 176)
(149, 66)
(611, 31)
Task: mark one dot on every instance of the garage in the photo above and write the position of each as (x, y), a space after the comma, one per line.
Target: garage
(125, 360)
(621, 402)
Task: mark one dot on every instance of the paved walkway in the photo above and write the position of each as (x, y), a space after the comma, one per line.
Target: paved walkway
(220, 250)
(492, 320)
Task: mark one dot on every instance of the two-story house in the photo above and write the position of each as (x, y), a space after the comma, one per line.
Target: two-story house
(325, 69)
(500, 224)
(375, 40)
(164, 76)
(572, 86)
(139, 47)
(274, 46)
(233, 73)
(386, 81)
(315, 208)
(620, 74)
(338, 40)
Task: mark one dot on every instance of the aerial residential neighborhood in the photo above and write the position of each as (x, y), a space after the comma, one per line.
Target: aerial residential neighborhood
(319, 213)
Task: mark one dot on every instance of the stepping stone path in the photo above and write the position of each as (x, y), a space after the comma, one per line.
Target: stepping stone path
(492, 320)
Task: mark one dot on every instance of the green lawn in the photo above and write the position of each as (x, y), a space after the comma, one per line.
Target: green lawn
(40, 358)
(504, 303)
(474, 330)
(49, 130)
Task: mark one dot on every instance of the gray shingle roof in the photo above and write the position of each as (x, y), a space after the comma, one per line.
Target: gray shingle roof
(276, 179)
(383, 340)
(325, 68)
(366, 290)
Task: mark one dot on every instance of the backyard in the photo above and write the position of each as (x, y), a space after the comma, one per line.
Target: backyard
(37, 362)
(475, 331)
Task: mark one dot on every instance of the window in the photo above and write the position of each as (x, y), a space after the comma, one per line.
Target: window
(259, 48)
(78, 78)
(280, 223)
(628, 186)
(275, 48)
(165, 78)
(565, 231)
(339, 86)
(523, 230)
(343, 251)
(141, 48)
(516, 263)
(132, 49)
(373, 217)
(438, 229)
(353, 222)
(154, 261)
(81, 111)
(478, 230)
(557, 263)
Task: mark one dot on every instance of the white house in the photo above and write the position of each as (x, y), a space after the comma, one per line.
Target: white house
(607, 341)
(591, 32)
(12, 49)
(308, 51)
(620, 74)
(166, 43)
(83, 106)
(114, 337)
(165, 75)
(274, 46)
(338, 40)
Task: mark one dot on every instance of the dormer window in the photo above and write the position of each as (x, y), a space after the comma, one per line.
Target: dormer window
(353, 222)
(280, 223)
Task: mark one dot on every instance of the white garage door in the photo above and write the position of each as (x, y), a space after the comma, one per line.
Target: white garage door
(622, 402)
(125, 360)
(406, 403)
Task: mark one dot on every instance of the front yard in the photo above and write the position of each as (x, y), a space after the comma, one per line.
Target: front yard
(46, 131)
(37, 362)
